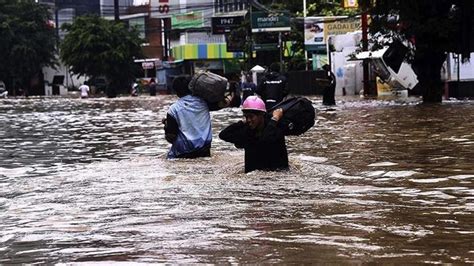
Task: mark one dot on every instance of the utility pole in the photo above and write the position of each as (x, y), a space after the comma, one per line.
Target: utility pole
(116, 10)
(305, 52)
(280, 47)
(111, 88)
(56, 21)
(365, 46)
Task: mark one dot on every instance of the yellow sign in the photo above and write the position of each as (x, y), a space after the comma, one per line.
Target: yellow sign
(342, 27)
(317, 29)
(351, 4)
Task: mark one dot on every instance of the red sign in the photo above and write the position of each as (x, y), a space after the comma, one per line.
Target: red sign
(164, 6)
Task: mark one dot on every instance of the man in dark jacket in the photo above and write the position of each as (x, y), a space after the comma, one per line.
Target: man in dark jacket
(248, 87)
(273, 86)
(330, 89)
(263, 141)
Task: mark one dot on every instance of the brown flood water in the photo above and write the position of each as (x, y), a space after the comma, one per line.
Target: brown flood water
(384, 182)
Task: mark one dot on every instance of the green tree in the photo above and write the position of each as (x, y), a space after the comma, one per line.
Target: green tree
(27, 41)
(97, 47)
(432, 29)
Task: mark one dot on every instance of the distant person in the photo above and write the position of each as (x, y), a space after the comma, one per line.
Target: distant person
(188, 122)
(152, 87)
(273, 86)
(260, 137)
(3, 92)
(135, 89)
(248, 87)
(234, 89)
(84, 89)
(330, 89)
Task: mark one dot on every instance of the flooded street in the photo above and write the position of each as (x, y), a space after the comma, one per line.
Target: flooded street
(86, 181)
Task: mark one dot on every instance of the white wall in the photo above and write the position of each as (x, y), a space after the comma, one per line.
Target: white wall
(466, 69)
(69, 80)
(349, 74)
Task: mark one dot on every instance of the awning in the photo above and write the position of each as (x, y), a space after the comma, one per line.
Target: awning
(257, 69)
(203, 51)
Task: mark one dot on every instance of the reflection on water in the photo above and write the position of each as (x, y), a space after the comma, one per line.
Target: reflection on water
(373, 181)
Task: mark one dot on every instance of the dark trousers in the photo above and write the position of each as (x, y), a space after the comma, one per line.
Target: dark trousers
(328, 95)
(203, 152)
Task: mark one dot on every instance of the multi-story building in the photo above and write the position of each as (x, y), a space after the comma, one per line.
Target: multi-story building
(177, 33)
(191, 40)
(64, 11)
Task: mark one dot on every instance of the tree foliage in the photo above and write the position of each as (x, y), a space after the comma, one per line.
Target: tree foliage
(431, 28)
(97, 47)
(27, 40)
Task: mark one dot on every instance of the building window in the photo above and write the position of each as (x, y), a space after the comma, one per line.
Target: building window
(139, 24)
(221, 6)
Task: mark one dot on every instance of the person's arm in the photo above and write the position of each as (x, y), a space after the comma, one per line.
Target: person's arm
(272, 132)
(171, 128)
(222, 104)
(333, 79)
(236, 133)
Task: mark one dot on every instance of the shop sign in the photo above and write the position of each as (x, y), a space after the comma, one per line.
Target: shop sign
(221, 25)
(267, 22)
(164, 8)
(265, 46)
(187, 20)
(317, 29)
(351, 4)
(148, 65)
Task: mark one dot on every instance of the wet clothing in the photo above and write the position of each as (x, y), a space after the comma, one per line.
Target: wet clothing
(329, 90)
(84, 89)
(134, 89)
(248, 89)
(152, 88)
(234, 87)
(272, 89)
(188, 128)
(265, 150)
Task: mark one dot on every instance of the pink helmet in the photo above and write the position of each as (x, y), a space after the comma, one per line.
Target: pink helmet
(254, 103)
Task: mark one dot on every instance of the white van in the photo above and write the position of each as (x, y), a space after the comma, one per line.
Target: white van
(390, 66)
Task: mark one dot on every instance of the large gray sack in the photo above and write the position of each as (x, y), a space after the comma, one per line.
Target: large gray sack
(209, 86)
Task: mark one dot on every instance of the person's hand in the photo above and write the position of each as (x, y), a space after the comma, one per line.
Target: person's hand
(227, 100)
(277, 114)
(229, 97)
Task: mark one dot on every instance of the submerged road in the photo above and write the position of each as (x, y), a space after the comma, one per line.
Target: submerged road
(371, 182)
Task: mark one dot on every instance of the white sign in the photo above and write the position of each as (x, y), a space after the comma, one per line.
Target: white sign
(148, 65)
(164, 8)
